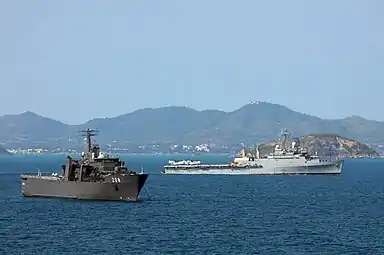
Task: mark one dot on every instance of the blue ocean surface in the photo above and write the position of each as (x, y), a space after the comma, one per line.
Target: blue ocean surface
(319, 214)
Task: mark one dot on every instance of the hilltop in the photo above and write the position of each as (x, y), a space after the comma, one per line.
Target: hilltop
(325, 145)
(253, 123)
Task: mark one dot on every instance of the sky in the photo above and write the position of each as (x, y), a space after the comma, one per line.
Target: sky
(78, 60)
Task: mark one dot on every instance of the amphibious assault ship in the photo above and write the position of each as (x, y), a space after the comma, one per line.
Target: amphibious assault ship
(281, 161)
(94, 176)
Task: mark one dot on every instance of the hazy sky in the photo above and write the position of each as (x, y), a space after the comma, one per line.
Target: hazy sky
(60, 58)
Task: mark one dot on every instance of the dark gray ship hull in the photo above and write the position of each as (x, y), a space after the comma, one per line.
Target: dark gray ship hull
(127, 189)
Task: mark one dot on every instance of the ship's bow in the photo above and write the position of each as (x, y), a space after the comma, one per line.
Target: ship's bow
(130, 187)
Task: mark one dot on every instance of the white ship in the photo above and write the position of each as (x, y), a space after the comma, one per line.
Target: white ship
(281, 161)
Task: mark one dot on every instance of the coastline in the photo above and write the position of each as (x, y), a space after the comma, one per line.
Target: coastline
(127, 154)
(170, 155)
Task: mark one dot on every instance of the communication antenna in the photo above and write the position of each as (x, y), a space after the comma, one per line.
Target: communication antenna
(88, 133)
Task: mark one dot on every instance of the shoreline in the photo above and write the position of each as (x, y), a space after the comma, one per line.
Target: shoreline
(175, 155)
(127, 154)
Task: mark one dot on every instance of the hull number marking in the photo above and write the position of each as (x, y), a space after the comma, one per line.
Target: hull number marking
(115, 180)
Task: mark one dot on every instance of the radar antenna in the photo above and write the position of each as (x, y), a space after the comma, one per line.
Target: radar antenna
(88, 133)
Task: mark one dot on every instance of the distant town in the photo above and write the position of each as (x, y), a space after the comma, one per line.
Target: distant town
(155, 149)
(148, 149)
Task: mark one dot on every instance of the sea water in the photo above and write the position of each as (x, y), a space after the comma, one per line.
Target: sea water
(191, 214)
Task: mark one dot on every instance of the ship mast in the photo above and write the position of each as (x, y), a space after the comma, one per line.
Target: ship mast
(88, 134)
(285, 134)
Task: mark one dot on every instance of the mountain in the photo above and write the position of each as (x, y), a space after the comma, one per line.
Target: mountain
(253, 123)
(325, 145)
(31, 130)
(161, 125)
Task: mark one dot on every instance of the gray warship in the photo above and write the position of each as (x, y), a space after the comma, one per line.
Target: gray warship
(282, 161)
(94, 176)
